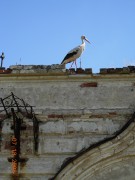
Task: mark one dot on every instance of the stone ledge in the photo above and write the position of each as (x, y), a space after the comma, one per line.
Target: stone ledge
(37, 68)
(54, 68)
(58, 68)
(124, 70)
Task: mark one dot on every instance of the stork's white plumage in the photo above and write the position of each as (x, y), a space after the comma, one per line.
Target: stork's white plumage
(75, 53)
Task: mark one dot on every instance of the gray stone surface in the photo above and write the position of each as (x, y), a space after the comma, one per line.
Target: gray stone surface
(37, 68)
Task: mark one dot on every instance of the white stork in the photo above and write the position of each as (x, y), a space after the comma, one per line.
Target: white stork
(75, 53)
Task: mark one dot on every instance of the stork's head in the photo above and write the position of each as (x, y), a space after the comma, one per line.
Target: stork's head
(84, 38)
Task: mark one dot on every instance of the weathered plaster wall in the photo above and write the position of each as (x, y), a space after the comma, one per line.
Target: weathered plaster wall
(74, 111)
(111, 160)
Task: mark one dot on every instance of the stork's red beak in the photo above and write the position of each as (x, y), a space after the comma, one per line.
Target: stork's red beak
(87, 40)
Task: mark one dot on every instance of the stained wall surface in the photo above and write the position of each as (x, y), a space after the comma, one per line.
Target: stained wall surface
(74, 112)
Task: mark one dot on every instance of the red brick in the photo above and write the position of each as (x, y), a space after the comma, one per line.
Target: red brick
(80, 71)
(113, 113)
(89, 84)
(55, 116)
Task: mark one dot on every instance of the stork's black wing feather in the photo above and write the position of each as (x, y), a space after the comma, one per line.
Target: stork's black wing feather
(70, 54)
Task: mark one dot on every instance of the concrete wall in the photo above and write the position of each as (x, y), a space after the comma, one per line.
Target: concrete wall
(75, 111)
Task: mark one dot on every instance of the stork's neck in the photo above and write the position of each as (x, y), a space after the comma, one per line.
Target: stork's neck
(83, 41)
(83, 45)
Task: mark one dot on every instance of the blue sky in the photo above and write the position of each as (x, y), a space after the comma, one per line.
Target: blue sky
(43, 31)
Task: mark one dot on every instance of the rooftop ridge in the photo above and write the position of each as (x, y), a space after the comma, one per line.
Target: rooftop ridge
(58, 68)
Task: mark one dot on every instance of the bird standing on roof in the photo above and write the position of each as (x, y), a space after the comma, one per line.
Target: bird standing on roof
(75, 53)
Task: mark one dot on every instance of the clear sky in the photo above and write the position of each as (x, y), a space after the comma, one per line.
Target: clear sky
(43, 31)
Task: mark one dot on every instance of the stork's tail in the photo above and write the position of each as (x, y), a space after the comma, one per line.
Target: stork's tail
(62, 62)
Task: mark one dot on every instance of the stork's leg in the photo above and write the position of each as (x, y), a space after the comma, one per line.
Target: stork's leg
(75, 64)
(80, 63)
(72, 64)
